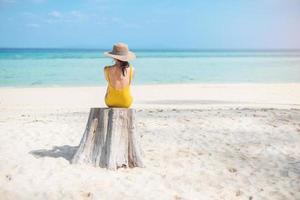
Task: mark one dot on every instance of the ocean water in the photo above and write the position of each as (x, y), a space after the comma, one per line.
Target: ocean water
(84, 67)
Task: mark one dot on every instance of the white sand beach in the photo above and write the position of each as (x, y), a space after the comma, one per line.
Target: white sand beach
(200, 141)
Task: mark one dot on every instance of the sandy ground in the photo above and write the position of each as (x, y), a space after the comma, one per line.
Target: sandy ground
(199, 142)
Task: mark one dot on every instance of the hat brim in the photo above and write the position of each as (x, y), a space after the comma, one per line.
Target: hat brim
(129, 56)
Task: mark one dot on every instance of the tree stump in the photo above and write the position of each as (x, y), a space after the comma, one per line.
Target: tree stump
(109, 140)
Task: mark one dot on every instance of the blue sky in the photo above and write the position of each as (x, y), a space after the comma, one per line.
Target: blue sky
(151, 24)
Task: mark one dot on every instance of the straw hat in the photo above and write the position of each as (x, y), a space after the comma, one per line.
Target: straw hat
(121, 52)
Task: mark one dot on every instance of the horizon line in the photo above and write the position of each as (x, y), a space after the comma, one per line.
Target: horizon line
(152, 49)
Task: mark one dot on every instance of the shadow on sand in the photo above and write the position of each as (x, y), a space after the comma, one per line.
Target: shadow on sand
(64, 151)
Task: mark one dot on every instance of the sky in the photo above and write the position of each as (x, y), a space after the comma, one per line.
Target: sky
(151, 24)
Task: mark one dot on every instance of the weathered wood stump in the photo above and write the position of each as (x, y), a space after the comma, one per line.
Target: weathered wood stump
(109, 140)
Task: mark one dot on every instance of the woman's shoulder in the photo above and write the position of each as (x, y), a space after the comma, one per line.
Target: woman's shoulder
(107, 67)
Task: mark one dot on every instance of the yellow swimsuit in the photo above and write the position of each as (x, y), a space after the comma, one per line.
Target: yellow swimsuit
(120, 98)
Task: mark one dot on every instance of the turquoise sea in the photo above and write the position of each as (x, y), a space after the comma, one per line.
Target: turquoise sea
(84, 67)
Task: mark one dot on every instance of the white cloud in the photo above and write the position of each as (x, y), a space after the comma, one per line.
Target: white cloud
(7, 1)
(49, 21)
(78, 15)
(55, 14)
(65, 17)
(28, 14)
(75, 13)
(32, 25)
(38, 1)
(117, 21)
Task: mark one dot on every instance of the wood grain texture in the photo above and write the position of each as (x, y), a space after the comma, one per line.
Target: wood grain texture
(110, 140)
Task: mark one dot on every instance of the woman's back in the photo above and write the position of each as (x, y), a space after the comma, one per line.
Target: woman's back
(118, 92)
(116, 77)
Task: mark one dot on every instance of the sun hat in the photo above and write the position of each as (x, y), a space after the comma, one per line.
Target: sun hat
(121, 52)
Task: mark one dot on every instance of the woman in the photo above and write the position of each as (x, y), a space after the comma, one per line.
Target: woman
(119, 77)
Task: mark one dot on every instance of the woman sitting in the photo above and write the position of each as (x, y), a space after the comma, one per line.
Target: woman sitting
(119, 77)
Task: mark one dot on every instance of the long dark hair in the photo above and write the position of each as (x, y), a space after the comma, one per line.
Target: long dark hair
(123, 65)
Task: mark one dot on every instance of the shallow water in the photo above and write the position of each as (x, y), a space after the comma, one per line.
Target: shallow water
(82, 67)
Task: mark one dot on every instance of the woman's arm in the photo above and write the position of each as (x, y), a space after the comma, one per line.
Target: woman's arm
(105, 72)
